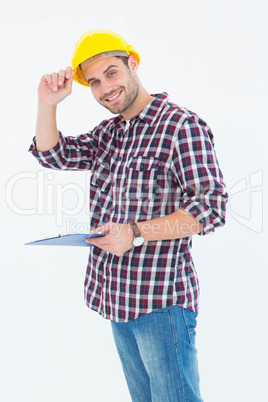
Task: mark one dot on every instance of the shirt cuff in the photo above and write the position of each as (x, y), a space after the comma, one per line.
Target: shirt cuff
(202, 214)
(51, 156)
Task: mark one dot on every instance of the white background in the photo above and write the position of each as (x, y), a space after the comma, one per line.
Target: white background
(211, 57)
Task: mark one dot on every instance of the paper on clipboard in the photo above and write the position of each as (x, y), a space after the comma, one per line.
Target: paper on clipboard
(77, 239)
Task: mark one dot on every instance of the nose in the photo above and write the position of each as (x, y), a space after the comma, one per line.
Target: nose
(106, 89)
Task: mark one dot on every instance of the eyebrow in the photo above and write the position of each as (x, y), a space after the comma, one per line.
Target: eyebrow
(104, 72)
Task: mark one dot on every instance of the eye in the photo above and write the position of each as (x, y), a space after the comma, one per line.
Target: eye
(111, 73)
(94, 83)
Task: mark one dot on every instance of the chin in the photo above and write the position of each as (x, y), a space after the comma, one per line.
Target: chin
(116, 109)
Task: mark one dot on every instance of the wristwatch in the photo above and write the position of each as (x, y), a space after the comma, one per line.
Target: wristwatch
(138, 239)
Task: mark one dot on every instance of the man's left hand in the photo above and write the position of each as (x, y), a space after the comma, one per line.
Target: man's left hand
(118, 240)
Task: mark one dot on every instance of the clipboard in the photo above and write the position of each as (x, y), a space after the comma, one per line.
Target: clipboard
(75, 240)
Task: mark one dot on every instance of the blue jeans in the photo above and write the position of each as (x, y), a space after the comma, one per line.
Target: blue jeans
(159, 357)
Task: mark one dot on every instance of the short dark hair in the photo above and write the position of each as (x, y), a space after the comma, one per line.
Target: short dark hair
(124, 60)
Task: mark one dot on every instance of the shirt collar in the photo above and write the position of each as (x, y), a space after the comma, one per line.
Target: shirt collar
(150, 113)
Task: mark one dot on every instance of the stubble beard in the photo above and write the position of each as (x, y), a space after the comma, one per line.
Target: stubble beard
(131, 91)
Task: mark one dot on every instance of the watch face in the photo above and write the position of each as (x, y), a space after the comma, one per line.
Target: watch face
(138, 241)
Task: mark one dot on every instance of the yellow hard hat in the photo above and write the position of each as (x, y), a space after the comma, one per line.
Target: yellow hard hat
(97, 42)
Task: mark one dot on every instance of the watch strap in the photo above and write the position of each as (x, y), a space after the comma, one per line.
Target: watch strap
(135, 229)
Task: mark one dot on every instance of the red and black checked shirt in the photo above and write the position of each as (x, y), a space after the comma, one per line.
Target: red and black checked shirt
(164, 161)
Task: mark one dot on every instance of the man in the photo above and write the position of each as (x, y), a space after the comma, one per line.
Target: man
(155, 182)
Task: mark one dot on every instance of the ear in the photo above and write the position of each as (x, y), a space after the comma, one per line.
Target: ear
(133, 64)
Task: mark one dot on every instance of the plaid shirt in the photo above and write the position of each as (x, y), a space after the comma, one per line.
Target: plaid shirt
(163, 162)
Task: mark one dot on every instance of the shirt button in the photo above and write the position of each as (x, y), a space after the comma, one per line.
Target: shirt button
(141, 167)
(120, 158)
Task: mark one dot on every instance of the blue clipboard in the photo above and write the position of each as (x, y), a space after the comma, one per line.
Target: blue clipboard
(77, 239)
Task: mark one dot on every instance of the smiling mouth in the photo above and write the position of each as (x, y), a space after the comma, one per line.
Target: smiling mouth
(114, 97)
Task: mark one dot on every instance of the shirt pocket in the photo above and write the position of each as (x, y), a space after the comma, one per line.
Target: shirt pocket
(101, 172)
(141, 178)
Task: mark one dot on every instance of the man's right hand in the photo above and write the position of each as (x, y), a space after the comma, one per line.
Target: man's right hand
(55, 87)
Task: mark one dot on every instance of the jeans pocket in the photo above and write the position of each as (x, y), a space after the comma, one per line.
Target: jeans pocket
(190, 322)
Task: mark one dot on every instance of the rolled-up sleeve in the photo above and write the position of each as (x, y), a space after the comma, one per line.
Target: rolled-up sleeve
(70, 153)
(197, 171)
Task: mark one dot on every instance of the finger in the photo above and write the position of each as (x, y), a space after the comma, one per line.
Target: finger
(96, 231)
(68, 72)
(103, 240)
(47, 78)
(101, 229)
(69, 81)
(61, 77)
(96, 241)
(99, 240)
(103, 246)
(55, 77)
(89, 240)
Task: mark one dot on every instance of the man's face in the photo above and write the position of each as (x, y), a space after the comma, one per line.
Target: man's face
(112, 84)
